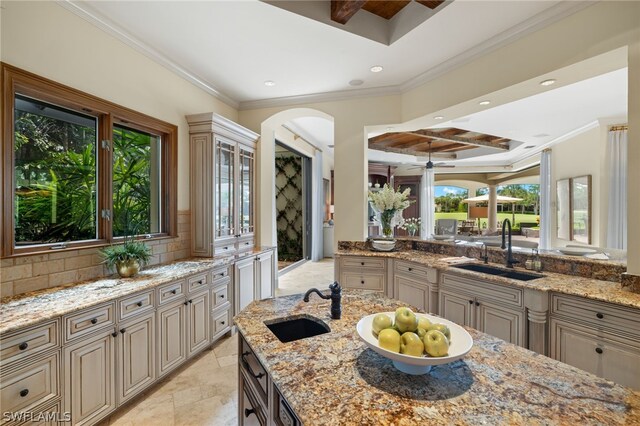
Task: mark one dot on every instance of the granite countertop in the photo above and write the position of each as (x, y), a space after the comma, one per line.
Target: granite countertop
(606, 291)
(335, 379)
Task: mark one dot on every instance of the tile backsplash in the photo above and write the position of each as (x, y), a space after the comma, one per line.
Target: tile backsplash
(30, 273)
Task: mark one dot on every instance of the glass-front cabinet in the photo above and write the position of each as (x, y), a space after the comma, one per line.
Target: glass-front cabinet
(222, 185)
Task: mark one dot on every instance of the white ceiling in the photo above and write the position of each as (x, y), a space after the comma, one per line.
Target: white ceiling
(234, 46)
(316, 130)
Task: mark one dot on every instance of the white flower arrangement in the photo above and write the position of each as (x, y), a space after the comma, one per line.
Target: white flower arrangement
(412, 224)
(389, 199)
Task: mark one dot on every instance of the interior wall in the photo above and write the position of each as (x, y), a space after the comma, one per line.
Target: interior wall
(48, 40)
(584, 154)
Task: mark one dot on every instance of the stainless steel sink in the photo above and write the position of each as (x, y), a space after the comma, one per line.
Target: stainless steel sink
(296, 328)
(500, 272)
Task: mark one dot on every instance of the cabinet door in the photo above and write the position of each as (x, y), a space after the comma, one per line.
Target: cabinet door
(245, 283)
(171, 331)
(264, 275)
(136, 360)
(198, 323)
(457, 307)
(621, 362)
(245, 190)
(412, 292)
(90, 392)
(505, 323)
(225, 196)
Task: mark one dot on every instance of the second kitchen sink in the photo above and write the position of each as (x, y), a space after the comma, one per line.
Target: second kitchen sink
(499, 272)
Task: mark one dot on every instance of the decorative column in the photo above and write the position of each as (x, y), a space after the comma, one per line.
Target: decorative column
(537, 308)
(546, 202)
(427, 203)
(492, 226)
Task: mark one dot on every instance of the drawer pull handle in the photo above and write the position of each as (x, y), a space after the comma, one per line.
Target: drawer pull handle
(222, 322)
(24, 392)
(477, 303)
(123, 330)
(186, 303)
(94, 320)
(248, 412)
(244, 361)
(199, 282)
(361, 281)
(410, 269)
(23, 346)
(225, 248)
(471, 302)
(599, 350)
(257, 257)
(221, 275)
(362, 263)
(139, 304)
(599, 315)
(174, 291)
(114, 334)
(247, 243)
(221, 296)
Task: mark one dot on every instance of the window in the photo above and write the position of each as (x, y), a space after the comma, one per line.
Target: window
(80, 171)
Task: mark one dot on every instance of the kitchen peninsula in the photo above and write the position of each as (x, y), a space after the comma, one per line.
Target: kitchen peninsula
(333, 378)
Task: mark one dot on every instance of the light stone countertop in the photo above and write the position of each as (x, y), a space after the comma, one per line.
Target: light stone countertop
(334, 379)
(605, 291)
(27, 309)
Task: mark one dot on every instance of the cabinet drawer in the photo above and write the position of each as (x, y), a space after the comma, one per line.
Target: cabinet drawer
(221, 322)
(484, 291)
(416, 271)
(88, 321)
(256, 373)
(170, 292)
(246, 245)
(23, 343)
(595, 313)
(220, 275)
(363, 262)
(225, 249)
(31, 385)
(363, 281)
(251, 411)
(134, 305)
(220, 295)
(197, 282)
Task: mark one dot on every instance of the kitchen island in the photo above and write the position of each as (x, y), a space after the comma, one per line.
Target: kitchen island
(333, 378)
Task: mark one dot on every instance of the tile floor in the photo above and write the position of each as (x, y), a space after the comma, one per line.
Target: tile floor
(206, 391)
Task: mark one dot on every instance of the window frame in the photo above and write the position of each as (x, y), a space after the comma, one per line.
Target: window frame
(19, 82)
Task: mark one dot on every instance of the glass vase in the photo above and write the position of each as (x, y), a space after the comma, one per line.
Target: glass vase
(385, 219)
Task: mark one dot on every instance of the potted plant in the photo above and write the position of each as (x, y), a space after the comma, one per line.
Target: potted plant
(127, 258)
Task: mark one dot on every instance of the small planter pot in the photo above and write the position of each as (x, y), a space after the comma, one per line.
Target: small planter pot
(128, 269)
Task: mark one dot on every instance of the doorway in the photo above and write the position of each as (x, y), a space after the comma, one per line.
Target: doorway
(293, 206)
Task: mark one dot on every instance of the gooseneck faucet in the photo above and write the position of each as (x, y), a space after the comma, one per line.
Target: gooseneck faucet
(335, 296)
(510, 260)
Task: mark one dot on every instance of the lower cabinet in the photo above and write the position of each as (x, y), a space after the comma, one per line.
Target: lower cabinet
(363, 273)
(136, 356)
(245, 283)
(456, 307)
(172, 350)
(90, 379)
(254, 279)
(411, 291)
(198, 322)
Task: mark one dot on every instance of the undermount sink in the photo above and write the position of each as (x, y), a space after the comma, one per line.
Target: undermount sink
(291, 329)
(500, 272)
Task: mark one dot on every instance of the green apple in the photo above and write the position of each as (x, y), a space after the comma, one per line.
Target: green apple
(441, 328)
(436, 343)
(421, 331)
(380, 322)
(406, 320)
(411, 344)
(424, 323)
(389, 339)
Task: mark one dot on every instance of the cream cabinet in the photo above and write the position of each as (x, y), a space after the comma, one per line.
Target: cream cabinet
(495, 309)
(90, 378)
(222, 176)
(198, 323)
(254, 278)
(598, 337)
(136, 356)
(416, 284)
(364, 273)
(172, 350)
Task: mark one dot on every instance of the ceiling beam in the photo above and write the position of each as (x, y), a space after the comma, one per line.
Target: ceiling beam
(459, 139)
(431, 4)
(343, 10)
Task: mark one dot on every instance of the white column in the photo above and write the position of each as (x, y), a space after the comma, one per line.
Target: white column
(633, 153)
(427, 203)
(546, 200)
(492, 226)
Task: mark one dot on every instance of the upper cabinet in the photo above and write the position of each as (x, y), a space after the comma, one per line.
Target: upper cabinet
(222, 157)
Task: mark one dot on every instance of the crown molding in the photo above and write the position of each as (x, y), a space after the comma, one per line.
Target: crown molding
(111, 28)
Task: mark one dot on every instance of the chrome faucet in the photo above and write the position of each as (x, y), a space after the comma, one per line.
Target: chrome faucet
(484, 253)
(510, 260)
(335, 296)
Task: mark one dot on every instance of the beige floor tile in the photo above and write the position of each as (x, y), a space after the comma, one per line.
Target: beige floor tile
(213, 411)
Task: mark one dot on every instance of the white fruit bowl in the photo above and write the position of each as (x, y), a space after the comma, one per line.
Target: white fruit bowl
(383, 245)
(461, 343)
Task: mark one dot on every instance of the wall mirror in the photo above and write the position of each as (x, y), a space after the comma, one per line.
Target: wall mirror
(563, 200)
(581, 209)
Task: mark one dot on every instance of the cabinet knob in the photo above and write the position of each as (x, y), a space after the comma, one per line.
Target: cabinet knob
(186, 303)
(114, 334)
(139, 304)
(191, 301)
(199, 282)
(123, 330)
(222, 322)
(174, 291)
(599, 315)
(221, 296)
(24, 392)
(410, 269)
(471, 302)
(248, 412)
(257, 257)
(94, 320)
(599, 350)
(361, 281)
(23, 346)
(477, 303)
(362, 263)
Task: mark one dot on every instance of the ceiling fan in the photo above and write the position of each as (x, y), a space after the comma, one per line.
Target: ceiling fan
(430, 164)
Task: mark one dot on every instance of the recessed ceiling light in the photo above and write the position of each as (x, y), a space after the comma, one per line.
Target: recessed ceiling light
(376, 68)
(355, 82)
(270, 83)
(541, 135)
(548, 82)
(438, 117)
(485, 102)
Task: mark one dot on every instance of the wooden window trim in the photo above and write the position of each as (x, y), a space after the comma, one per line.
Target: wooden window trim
(15, 80)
